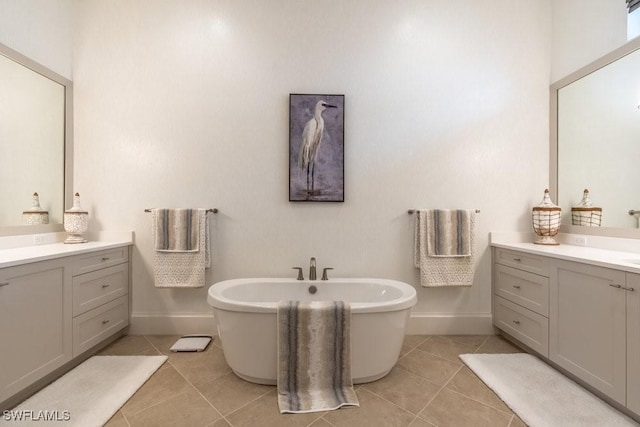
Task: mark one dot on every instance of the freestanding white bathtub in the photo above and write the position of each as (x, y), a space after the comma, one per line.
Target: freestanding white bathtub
(245, 313)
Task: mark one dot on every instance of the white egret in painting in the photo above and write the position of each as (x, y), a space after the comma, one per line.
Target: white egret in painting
(311, 139)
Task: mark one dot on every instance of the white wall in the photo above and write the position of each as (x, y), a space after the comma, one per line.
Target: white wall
(585, 31)
(40, 30)
(186, 104)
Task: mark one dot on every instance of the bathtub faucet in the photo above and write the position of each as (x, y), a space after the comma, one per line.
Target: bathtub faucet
(312, 269)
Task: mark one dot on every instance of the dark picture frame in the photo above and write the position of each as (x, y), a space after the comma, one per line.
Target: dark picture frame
(316, 148)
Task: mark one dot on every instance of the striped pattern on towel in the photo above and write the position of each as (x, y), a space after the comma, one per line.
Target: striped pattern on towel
(314, 356)
(449, 233)
(177, 230)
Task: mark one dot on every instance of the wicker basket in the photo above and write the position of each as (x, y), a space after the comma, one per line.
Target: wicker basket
(546, 221)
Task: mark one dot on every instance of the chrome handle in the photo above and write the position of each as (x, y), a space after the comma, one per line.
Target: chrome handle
(517, 322)
(614, 285)
(324, 273)
(516, 286)
(630, 289)
(106, 285)
(300, 275)
(105, 258)
(104, 322)
(4, 284)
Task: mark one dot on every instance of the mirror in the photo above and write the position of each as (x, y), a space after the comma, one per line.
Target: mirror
(35, 142)
(595, 141)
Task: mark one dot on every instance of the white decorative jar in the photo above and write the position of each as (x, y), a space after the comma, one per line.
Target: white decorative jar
(546, 221)
(585, 213)
(35, 214)
(76, 222)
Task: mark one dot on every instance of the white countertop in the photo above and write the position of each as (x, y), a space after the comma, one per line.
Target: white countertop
(610, 258)
(26, 254)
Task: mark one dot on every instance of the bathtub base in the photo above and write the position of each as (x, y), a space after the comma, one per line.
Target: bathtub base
(249, 344)
(268, 381)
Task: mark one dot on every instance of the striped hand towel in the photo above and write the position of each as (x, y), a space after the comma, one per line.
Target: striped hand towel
(314, 356)
(176, 230)
(448, 232)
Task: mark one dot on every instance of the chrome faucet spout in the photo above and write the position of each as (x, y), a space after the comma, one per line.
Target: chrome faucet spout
(312, 269)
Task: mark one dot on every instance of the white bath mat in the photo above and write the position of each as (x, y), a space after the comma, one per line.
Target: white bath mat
(88, 395)
(540, 395)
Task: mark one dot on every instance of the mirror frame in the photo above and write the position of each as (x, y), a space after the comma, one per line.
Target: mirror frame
(622, 51)
(68, 141)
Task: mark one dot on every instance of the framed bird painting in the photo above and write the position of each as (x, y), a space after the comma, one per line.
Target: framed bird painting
(316, 148)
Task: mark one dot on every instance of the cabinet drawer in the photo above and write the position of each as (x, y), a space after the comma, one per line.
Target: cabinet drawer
(97, 260)
(526, 289)
(523, 261)
(96, 325)
(98, 287)
(526, 326)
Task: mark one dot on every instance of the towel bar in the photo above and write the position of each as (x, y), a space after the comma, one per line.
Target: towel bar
(412, 211)
(214, 210)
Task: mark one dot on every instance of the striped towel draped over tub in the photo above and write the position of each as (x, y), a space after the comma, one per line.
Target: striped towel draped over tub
(181, 247)
(314, 356)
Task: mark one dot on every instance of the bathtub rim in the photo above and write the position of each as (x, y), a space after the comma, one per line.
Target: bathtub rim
(406, 301)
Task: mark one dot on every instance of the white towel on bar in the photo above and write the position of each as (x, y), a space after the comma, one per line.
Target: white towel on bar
(183, 269)
(438, 270)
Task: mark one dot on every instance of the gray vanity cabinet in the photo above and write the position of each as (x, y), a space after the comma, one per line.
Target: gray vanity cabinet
(35, 323)
(521, 298)
(582, 317)
(633, 342)
(588, 325)
(56, 313)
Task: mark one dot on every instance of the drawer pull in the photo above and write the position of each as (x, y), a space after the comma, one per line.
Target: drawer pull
(105, 258)
(104, 322)
(106, 285)
(517, 259)
(4, 284)
(614, 285)
(517, 322)
(516, 286)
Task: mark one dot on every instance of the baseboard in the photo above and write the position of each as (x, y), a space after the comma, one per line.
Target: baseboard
(171, 324)
(451, 324)
(419, 324)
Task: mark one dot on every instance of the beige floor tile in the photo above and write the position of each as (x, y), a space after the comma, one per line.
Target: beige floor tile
(373, 411)
(117, 420)
(165, 383)
(404, 389)
(475, 340)
(265, 412)
(452, 409)
(415, 340)
(517, 422)
(320, 423)
(467, 383)
(220, 423)
(431, 367)
(130, 345)
(228, 393)
(496, 344)
(184, 410)
(446, 348)
(200, 368)
(419, 422)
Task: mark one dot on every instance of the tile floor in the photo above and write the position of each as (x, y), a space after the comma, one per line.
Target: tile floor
(429, 386)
